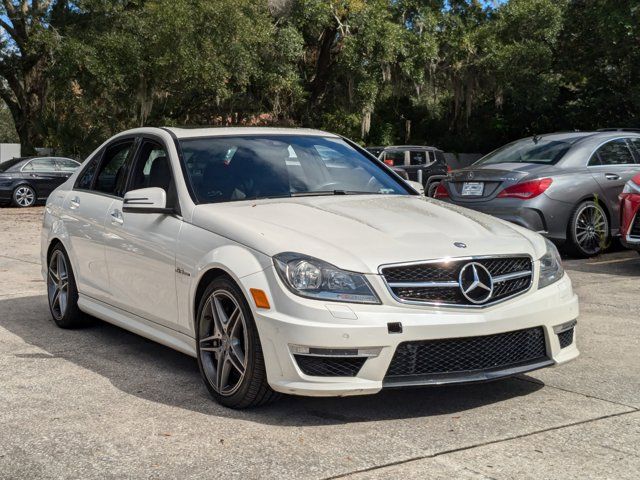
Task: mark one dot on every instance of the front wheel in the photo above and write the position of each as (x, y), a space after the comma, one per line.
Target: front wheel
(229, 351)
(24, 196)
(588, 230)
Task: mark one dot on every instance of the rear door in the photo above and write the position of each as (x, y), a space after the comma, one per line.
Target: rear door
(86, 207)
(65, 168)
(612, 165)
(42, 173)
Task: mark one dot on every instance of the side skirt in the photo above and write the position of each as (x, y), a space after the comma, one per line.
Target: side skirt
(138, 325)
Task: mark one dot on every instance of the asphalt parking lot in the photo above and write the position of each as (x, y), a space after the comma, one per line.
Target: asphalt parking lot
(104, 403)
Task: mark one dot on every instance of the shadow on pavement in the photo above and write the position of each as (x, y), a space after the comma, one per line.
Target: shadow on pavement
(624, 263)
(156, 373)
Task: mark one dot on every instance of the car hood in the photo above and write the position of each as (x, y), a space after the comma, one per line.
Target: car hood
(360, 233)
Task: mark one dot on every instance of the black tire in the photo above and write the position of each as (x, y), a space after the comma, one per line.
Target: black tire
(251, 388)
(588, 238)
(24, 196)
(67, 315)
(431, 189)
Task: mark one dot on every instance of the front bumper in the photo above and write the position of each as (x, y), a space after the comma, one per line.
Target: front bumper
(295, 321)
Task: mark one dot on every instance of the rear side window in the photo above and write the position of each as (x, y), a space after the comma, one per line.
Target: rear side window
(615, 152)
(635, 142)
(86, 176)
(42, 165)
(66, 165)
(111, 174)
(394, 158)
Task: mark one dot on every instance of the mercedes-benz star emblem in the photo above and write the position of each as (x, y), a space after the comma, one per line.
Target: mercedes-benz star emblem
(470, 175)
(476, 283)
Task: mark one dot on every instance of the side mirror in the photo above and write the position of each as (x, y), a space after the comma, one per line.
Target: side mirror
(146, 200)
(416, 186)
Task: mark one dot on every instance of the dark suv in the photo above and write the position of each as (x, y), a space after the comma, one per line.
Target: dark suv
(422, 164)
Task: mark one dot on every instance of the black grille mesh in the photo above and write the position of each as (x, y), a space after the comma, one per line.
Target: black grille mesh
(635, 228)
(330, 366)
(566, 338)
(450, 271)
(470, 354)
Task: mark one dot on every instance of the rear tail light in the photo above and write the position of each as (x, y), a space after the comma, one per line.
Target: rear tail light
(441, 192)
(526, 190)
(449, 169)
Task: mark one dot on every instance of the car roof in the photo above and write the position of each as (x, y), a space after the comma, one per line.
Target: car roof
(234, 131)
(410, 147)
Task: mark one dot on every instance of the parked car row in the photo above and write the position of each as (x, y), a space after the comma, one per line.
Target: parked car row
(565, 186)
(25, 181)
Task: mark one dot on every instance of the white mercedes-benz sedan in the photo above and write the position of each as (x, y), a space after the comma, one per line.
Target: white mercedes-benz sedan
(291, 260)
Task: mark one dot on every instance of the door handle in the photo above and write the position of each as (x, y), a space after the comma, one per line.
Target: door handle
(116, 217)
(612, 176)
(74, 203)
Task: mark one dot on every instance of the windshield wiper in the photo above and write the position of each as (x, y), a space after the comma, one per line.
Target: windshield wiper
(331, 192)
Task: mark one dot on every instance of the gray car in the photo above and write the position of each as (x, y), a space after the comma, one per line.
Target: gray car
(563, 185)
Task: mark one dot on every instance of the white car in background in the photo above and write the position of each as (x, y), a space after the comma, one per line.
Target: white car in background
(289, 260)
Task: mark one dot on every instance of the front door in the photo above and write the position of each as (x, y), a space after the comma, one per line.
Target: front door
(140, 247)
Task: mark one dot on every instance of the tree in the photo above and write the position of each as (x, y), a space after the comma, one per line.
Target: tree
(27, 50)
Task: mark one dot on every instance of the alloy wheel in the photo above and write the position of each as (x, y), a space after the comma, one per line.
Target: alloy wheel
(25, 196)
(591, 228)
(223, 342)
(58, 284)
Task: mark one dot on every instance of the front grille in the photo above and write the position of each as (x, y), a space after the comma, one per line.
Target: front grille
(467, 355)
(635, 228)
(330, 366)
(566, 338)
(438, 282)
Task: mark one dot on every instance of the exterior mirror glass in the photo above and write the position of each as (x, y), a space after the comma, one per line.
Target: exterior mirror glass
(146, 200)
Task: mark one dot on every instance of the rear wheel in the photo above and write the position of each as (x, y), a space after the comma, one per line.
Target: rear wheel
(24, 196)
(229, 351)
(431, 190)
(588, 230)
(62, 291)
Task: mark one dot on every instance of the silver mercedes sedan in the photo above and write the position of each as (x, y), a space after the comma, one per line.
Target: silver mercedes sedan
(562, 185)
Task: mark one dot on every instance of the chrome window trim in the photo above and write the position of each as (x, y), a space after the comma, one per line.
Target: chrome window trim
(459, 259)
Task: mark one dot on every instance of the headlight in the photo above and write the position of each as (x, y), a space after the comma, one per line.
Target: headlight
(313, 278)
(550, 266)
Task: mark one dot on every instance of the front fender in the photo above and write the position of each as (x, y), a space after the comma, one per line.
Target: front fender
(235, 260)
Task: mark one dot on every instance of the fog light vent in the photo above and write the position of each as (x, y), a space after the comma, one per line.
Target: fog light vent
(317, 366)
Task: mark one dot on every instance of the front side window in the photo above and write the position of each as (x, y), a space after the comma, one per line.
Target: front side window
(223, 169)
(112, 169)
(615, 152)
(530, 150)
(152, 168)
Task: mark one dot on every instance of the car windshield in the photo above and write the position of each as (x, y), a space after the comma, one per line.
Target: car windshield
(5, 166)
(530, 150)
(224, 169)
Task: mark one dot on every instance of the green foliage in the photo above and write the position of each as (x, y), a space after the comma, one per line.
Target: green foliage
(464, 75)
